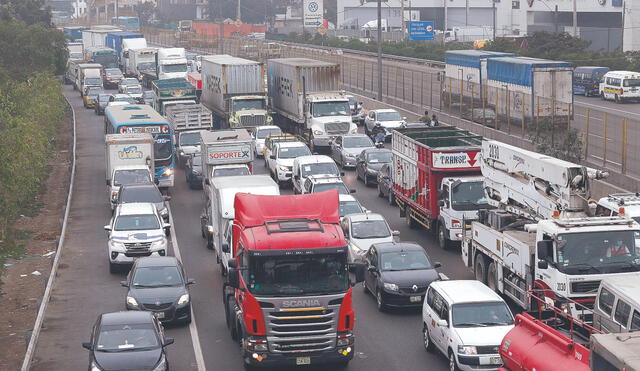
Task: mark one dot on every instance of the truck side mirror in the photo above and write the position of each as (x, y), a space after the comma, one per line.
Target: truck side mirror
(359, 271)
(442, 203)
(543, 264)
(296, 177)
(545, 249)
(233, 277)
(156, 181)
(225, 247)
(273, 157)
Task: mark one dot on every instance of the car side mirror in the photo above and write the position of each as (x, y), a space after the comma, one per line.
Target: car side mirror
(372, 268)
(156, 181)
(166, 198)
(210, 229)
(359, 271)
(442, 323)
(168, 341)
(404, 118)
(352, 191)
(437, 265)
(87, 346)
(124, 283)
(191, 281)
(107, 228)
(234, 277)
(206, 181)
(442, 203)
(225, 247)
(395, 233)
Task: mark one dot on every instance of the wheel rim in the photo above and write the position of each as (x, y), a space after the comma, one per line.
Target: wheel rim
(379, 299)
(441, 236)
(452, 362)
(425, 335)
(491, 278)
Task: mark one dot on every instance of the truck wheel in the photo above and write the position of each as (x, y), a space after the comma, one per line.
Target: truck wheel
(209, 243)
(480, 269)
(366, 180)
(411, 223)
(443, 242)
(492, 277)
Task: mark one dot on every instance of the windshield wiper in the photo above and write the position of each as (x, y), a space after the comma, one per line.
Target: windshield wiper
(467, 324)
(495, 323)
(585, 267)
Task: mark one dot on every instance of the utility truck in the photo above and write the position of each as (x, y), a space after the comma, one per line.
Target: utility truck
(170, 63)
(224, 148)
(288, 294)
(542, 234)
(305, 94)
(129, 160)
(436, 179)
(188, 120)
(233, 88)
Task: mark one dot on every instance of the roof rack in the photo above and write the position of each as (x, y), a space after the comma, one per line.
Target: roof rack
(293, 225)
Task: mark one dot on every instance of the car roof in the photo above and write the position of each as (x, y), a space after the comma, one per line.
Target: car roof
(313, 159)
(139, 185)
(384, 110)
(346, 198)
(126, 317)
(120, 95)
(136, 208)
(354, 135)
(397, 246)
(365, 216)
(160, 261)
(626, 286)
(290, 144)
(325, 178)
(465, 291)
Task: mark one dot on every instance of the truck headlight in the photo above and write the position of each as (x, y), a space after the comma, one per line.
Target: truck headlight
(168, 172)
(344, 340)
(184, 299)
(456, 223)
(116, 245)
(391, 286)
(318, 132)
(256, 345)
(132, 302)
(467, 349)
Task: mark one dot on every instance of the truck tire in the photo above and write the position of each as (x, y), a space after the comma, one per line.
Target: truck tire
(411, 223)
(480, 268)
(617, 99)
(441, 234)
(492, 276)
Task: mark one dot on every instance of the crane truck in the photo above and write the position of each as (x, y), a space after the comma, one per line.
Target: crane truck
(289, 296)
(542, 234)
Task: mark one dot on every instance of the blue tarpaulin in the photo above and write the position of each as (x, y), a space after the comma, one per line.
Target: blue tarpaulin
(519, 70)
(471, 58)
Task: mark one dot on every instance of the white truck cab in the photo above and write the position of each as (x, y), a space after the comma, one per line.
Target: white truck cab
(460, 200)
(612, 204)
(305, 166)
(328, 115)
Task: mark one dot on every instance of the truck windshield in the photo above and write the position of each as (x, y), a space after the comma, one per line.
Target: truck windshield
(322, 109)
(146, 66)
(162, 147)
(320, 168)
(170, 68)
(76, 55)
(136, 222)
(315, 274)
(481, 314)
(249, 104)
(468, 196)
(190, 139)
(93, 81)
(598, 252)
(132, 176)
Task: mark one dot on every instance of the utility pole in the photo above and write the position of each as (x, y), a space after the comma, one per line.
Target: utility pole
(575, 19)
(402, 18)
(444, 30)
(624, 10)
(466, 13)
(380, 49)
(555, 18)
(116, 12)
(493, 7)
(238, 14)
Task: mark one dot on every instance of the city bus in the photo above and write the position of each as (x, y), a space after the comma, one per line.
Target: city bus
(586, 80)
(141, 118)
(127, 23)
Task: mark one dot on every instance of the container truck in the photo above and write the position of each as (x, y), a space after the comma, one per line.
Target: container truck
(139, 62)
(114, 40)
(304, 94)
(437, 182)
(128, 46)
(542, 233)
(129, 160)
(75, 50)
(170, 63)
(195, 78)
(104, 56)
(301, 314)
(89, 74)
(530, 89)
(172, 91)
(74, 32)
(96, 36)
(233, 88)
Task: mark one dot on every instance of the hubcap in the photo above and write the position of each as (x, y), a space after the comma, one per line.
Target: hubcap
(452, 363)
(425, 334)
(379, 299)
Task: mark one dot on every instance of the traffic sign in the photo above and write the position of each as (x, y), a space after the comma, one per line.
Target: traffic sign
(322, 30)
(313, 13)
(421, 30)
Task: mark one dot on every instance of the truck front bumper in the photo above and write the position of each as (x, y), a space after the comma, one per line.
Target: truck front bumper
(321, 141)
(270, 359)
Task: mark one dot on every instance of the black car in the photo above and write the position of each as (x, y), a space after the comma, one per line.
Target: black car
(369, 162)
(193, 172)
(159, 285)
(130, 193)
(398, 274)
(101, 103)
(128, 341)
(385, 183)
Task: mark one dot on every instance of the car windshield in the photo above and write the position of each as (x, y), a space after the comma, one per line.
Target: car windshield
(190, 139)
(131, 176)
(249, 104)
(377, 157)
(123, 98)
(469, 196)
(103, 97)
(293, 152)
(122, 338)
(148, 94)
(356, 142)
(231, 171)
(299, 275)
(94, 91)
(350, 207)
(370, 229)
(174, 68)
(322, 109)
(481, 314)
(327, 186)
(404, 260)
(319, 168)
(93, 81)
(598, 252)
(156, 277)
(134, 90)
(129, 81)
(262, 133)
(389, 116)
(631, 82)
(141, 194)
(112, 72)
(136, 222)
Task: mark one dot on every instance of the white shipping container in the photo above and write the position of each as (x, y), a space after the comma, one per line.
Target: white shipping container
(128, 150)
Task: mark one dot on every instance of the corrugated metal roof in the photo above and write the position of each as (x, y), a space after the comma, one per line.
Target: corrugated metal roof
(301, 62)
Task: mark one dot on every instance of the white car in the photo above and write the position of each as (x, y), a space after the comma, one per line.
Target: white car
(280, 163)
(305, 166)
(346, 148)
(321, 183)
(349, 205)
(363, 230)
(120, 100)
(387, 117)
(466, 321)
(260, 134)
(134, 91)
(126, 82)
(136, 230)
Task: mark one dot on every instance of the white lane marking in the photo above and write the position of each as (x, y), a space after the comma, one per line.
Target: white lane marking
(605, 108)
(193, 328)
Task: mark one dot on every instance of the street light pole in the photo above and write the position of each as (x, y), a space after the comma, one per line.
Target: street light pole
(380, 49)
(493, 6)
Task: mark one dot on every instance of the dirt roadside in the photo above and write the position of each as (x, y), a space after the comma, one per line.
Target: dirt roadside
(24, 278)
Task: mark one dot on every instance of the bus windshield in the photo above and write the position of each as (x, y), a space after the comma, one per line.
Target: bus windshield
(163, 147)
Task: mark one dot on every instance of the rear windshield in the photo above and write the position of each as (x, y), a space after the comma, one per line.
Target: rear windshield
(141, 194)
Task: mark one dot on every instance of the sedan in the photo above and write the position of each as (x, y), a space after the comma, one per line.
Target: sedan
(385, 183)
(135, 91)
(90, 96)
(193, 172)
(159, 285)
(120, 100)
(398, 274)
(364, 230)
(126, 82)
(144, 193)
(127, 340)
(345, 148)
(369, 162)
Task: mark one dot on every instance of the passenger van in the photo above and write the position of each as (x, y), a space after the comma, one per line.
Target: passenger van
(611, 205)
(620, 86)
(586, 80)
(617, 307)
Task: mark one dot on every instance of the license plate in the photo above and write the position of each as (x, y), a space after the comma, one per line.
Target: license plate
(303, 361)
(159, 315)
(415, 299)
(495, 360)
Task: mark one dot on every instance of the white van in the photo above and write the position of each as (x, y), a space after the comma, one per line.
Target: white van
(304, 166)
(617, 307)
(611, 205)
(620, 86)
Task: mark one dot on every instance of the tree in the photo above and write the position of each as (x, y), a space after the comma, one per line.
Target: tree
(28, 11)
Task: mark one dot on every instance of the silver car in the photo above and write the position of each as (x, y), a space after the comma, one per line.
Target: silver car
(346, 148)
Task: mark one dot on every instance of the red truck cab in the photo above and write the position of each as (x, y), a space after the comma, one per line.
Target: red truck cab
(288, 296)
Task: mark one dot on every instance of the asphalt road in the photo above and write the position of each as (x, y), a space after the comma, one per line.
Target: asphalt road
(84, 287)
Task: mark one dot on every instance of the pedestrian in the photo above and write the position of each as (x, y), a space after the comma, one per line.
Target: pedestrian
(425, 118)
(434, 120)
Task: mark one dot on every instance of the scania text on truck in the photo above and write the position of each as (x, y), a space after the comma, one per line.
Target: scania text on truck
(436, 179)
(305, 94)
(542, 234)
(233, 88)
(171, 92)
(223, 148)
(170, 63)
(288, 299)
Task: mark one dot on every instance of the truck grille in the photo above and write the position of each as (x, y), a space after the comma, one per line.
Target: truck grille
(585, 287)
(301, 330)
(334, 128)
(252, 120)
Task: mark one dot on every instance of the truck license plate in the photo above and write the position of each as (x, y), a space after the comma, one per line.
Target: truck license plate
(159, 315)
(415, 299)
(495, 360)
(303, 361)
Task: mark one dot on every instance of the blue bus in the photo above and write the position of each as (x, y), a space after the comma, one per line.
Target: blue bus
(586, 80)
(126, 23)
(141, 118)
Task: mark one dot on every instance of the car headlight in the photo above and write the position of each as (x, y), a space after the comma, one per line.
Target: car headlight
(350, 155)
(269, 118)
(162, 365)
(456, 223)
(181, 153)
(391, 286)
(168, 172)
(116, 245)
(164, 212)
(132, 302)
(95, 367)
(285, 168)
(469, 350)
(159, 243)
(354, 131)
(184, 299)
(318, 132)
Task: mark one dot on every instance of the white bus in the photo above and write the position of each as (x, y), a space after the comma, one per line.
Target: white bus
(620, 86)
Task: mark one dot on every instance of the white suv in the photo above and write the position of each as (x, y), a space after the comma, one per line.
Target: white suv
(280, 162)
(136, 230)
(466, 321)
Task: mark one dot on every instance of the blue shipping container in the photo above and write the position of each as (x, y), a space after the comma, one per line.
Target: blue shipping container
(518, 70)
(114, 40)
(471, 58)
